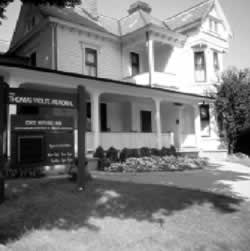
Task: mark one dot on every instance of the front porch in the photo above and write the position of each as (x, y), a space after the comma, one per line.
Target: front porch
(122, 114)
(134, 122)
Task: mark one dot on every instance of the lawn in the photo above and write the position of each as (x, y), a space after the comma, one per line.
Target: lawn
(123, 212)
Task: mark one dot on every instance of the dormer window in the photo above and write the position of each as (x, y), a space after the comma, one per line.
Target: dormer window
(213, 25)
(200, 66)
(135, 63)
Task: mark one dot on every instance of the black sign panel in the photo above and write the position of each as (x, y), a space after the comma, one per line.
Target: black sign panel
(60, 149)
(30, 149)
(32, 123)
(42, 98)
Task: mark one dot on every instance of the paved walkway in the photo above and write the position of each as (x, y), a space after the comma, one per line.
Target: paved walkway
(221, 177)
(239, 184)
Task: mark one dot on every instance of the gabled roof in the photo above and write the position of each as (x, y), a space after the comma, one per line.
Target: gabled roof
(79, 16)
(194, 14)
(124, 26)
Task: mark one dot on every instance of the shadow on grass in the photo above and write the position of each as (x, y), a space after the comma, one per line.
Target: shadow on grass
(51, 204)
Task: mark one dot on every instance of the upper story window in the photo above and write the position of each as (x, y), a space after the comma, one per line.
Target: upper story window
(91, 62)
(216, 61)
(213, 25)
(135, 63)
(200, 66)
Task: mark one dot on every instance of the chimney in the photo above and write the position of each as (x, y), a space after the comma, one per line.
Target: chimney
(90, 6)
(139, 5)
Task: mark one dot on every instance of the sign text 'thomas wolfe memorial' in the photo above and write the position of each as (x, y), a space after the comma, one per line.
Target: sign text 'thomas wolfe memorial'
(35, 97)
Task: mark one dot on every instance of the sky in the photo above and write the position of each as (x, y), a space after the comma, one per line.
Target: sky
(237, 13)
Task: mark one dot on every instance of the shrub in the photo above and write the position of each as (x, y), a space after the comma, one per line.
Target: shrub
(133, 153)
(165, 151)
(173, 151)
(129, 153)
(144, 152)
(99, 153)
(124, 154)
(112, 154)
(155, 152)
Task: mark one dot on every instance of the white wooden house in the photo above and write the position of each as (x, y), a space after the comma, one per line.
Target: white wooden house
(147, 79)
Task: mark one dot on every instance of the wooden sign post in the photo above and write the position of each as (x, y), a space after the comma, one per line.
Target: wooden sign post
(3, 132)
(81, 118)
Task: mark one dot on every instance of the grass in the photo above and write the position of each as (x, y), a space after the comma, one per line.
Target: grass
(123, 212)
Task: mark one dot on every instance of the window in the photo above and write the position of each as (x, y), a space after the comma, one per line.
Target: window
(103, 117)
(88, 116)
(91, 62)
(146, 121)
(200, 66)
(205, 120)
(216, 61)
(213, 25)
(33, 59)
(135, 63)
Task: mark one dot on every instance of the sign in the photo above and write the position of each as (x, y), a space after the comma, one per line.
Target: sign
(33, 123)
(21, 96)
(59, 149)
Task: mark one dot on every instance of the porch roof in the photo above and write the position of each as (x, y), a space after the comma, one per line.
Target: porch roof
(9, 67)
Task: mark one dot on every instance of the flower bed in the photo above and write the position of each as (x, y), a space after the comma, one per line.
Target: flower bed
(156, 164)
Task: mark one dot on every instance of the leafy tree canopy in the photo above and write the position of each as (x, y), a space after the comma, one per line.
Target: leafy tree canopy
(233, 104)
(59, 3)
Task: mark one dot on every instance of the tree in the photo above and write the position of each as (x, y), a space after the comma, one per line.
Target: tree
(233, 104)
(59, 3)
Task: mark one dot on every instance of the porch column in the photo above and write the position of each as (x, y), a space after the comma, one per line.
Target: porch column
(95, 118)
(179, 123)
(197, 124)
(151, 66)
(158, 122)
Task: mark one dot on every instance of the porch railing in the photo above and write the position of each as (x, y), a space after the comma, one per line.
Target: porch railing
(120, 140)
(165, 79)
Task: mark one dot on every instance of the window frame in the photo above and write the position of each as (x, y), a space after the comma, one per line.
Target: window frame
(205, 121)
(213, 25)
(216, 61)
(134, 65)
(94, 64)
(204, 66)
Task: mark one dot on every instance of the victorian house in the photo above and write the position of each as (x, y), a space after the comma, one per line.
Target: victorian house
(148, 80)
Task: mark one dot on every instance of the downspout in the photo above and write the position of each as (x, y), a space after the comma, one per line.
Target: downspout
(54, 47)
